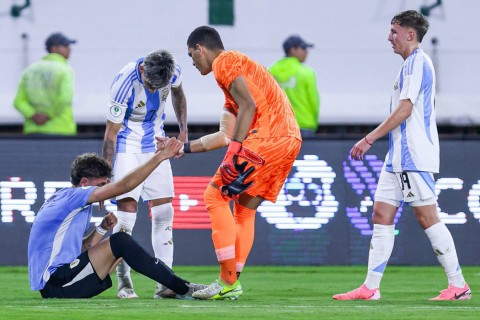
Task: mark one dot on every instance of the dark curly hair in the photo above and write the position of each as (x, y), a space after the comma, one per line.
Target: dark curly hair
(159, 67)
(89, 165)
(413, 19)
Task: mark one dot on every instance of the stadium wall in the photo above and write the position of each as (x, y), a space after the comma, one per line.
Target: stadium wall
(353, 60)
(322, 216)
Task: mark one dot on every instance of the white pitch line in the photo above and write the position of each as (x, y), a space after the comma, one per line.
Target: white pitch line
(331, 306)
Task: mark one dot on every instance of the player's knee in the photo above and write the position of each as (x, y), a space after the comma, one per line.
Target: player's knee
(127, 205)
(162, 214)
(213, 197)
(118, 242)
(243, 213)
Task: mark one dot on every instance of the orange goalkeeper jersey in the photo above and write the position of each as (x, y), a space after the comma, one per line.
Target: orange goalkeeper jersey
(274, 115)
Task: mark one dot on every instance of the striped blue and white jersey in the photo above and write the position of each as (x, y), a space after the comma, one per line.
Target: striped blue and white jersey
(140, 112)
(57, 233)
(414, 146)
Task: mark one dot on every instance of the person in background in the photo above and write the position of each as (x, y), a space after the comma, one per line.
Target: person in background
(136, 114)
(413, 157)
(45, 93)
(300, 84)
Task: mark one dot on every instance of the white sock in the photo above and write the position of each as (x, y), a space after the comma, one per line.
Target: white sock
(126, 222)
(444, 247)
(162, 238)
(381, 247)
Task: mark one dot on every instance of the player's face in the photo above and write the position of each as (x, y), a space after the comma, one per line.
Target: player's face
(94, 182)
(146, 84)
(199, 59)
(400, 38)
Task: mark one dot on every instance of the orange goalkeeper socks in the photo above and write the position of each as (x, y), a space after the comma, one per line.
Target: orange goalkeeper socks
(223, 232)
(245, 230)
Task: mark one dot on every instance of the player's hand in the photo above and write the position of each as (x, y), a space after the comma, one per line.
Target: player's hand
(170, 148)
(238, 186)
(227, 168)
(359, 149)
(182, 136)
(109, 221)
(161, 142)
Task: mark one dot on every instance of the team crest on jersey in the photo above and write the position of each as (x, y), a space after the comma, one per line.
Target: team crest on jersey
(395, 85)
(115, 111)
(74, 263)
(140, 104)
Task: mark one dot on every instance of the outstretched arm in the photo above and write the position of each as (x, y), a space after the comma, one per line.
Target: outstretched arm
(216, 140)
(137, 176)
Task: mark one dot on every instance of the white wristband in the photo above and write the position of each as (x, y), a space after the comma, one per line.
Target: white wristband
(100, 230)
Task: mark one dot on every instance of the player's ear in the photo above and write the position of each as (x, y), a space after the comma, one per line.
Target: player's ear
(83, 182)
(410, 36)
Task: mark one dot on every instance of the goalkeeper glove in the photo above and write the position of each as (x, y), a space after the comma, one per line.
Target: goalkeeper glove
(227, 168)
(237, 186)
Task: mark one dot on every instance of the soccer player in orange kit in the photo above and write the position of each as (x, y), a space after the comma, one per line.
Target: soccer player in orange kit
(260, 129)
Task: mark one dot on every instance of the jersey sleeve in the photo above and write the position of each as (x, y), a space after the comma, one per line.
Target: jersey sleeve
(177, 77)
(79, 197)
(412, 77)
(120, 91)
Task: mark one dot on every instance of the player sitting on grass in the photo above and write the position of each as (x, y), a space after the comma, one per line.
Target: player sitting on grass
(64, 264)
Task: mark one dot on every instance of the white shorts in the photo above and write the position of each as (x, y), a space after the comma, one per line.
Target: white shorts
(416, 188)
(158, 185)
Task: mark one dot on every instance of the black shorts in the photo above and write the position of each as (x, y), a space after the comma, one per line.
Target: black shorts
(75, 280)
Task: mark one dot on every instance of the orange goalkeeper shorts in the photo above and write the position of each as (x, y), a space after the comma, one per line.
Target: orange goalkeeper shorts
(279, 154)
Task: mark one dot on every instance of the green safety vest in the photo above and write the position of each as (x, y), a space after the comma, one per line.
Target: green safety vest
(300, 85)
(46, 87)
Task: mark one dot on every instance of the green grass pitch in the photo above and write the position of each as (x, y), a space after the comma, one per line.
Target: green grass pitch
(269, 293)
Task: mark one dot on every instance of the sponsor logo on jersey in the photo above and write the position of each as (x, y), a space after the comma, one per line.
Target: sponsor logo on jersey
(410, 194)
(74, 263)
(395, 85)
(140, 104)
(115, 111)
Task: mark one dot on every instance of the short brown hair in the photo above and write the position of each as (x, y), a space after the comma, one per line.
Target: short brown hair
(413, 19)
(89, 165)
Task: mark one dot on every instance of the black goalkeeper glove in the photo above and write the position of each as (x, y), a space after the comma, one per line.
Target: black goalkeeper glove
(238, 186)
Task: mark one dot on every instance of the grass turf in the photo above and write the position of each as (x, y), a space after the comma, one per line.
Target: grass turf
(269, 293)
